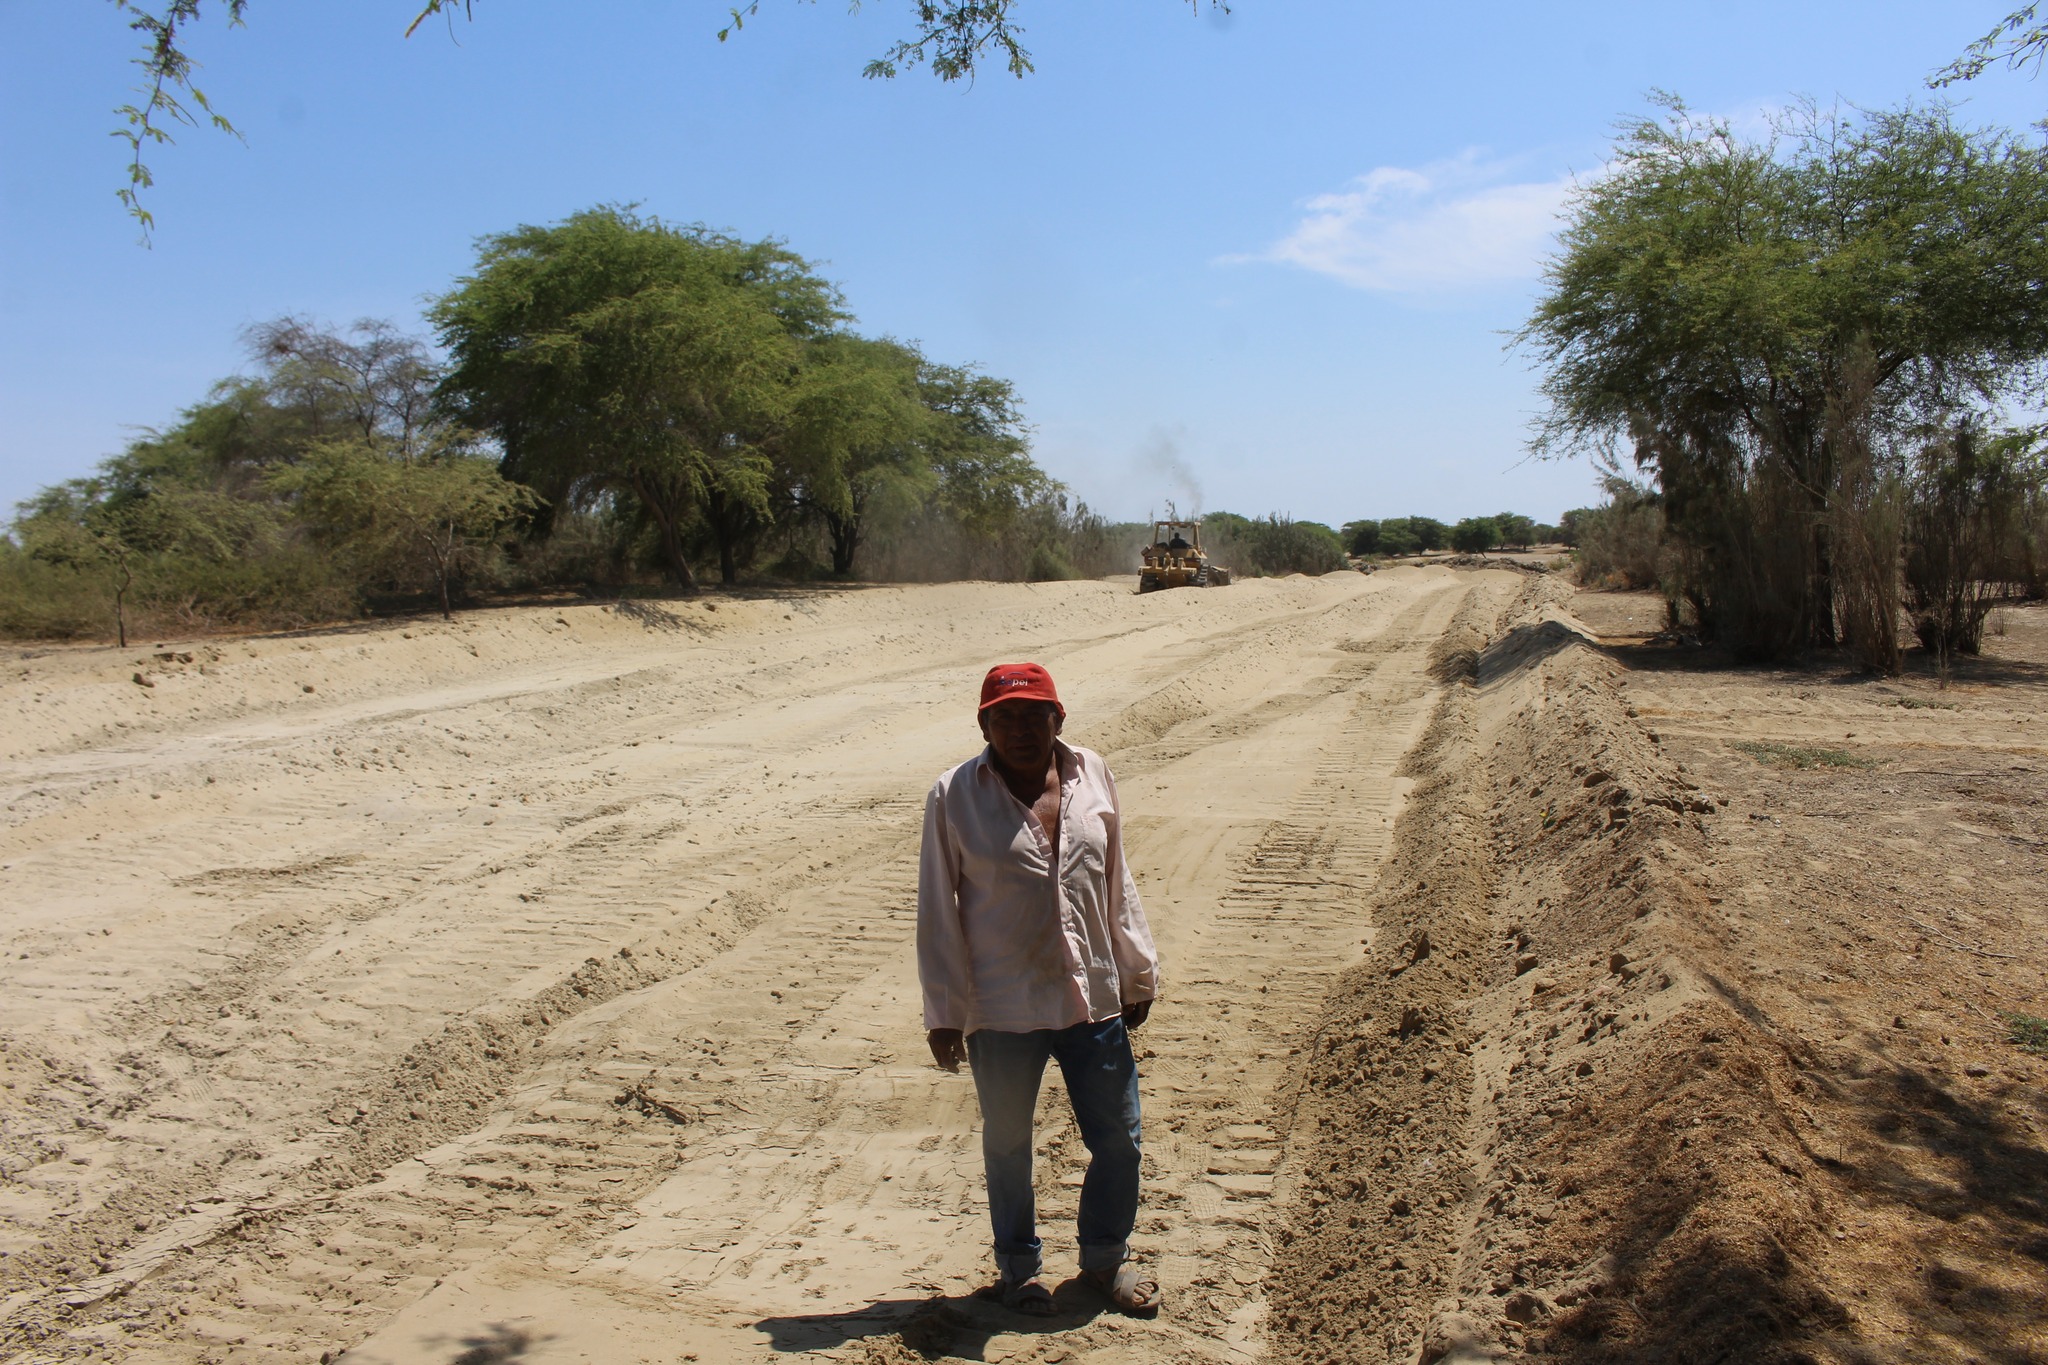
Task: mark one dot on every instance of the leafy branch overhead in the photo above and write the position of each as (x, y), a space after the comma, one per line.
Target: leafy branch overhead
(953, 37)
(2019, 40)
(166, 70)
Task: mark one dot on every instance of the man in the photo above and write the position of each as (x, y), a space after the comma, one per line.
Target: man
(1031, 944)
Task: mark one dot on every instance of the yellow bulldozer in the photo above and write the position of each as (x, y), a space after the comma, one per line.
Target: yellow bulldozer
(1175, 559)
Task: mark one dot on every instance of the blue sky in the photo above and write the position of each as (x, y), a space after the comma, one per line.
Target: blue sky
(1257, 262)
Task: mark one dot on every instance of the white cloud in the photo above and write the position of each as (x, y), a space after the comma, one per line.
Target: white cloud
(1448, 226)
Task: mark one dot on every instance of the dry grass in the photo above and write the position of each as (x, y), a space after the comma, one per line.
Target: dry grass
(1800, 756)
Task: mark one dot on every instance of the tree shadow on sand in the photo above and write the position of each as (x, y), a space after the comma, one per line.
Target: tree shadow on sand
(1665, 654)
(943, 1325)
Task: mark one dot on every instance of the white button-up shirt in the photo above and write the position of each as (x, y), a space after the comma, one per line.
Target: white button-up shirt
(1001, 942)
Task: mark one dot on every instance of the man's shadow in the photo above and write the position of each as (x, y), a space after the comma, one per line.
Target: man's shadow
(957, 1325)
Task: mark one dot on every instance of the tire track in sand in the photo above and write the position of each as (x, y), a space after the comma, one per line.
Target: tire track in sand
(1259, 942)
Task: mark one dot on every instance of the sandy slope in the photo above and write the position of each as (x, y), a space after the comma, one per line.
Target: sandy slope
(1685, 1030)
(538, 986)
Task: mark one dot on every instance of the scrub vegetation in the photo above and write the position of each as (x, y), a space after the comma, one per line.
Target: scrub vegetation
(1273, 545)
(623, 405)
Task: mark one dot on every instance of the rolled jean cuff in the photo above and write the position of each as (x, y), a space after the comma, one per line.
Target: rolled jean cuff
(1017, 1267)
(1104, 1255)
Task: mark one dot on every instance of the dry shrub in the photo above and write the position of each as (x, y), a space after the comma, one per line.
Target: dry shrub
(1042, 538)
(1967, 530)
(1751, 571)
(284, 588)
(1272, 546)
(1621, 543)
(42, 601)
(1866, 525)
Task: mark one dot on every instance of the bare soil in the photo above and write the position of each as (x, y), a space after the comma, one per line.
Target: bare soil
(538, 987)
(1706, 1055)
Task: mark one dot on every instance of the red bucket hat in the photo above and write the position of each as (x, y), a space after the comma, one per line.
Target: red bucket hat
(1018, 682)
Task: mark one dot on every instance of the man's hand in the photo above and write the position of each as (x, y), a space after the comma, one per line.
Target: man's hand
(1136, 1013)
(949, 1049)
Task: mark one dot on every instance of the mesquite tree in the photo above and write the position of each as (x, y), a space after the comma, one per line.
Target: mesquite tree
(612, 354)
(1743, 315)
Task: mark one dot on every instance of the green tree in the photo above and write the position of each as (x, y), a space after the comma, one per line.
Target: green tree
(1515, 529)
(953, 37)
(166, 85)
(1398, 537)
(2018, 41)
(1475, 535)
(435, 509)
(1272, 545)
(855, 436)
(612, 354)
(1430, 534)
(1361, 537)
(978, 446)
(1740, 314)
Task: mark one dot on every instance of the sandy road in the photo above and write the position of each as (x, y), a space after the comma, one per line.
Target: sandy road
(539, 987)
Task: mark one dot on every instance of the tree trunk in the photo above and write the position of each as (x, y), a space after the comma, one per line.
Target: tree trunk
(1820, 604)
(726, 520)
(121, 604)
(1822, 630)
(672, 549)
(441, 558)
(671, 535)
(845, 533)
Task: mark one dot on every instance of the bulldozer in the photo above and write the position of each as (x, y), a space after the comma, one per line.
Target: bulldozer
(1175, 559)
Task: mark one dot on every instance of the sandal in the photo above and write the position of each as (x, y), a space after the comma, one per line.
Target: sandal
(1029, 1297)
(1126, 1289)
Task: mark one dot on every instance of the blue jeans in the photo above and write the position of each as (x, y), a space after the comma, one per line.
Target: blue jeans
(1102, 1086)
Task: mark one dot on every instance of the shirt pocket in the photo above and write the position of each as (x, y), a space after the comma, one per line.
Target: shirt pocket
(1087, 852)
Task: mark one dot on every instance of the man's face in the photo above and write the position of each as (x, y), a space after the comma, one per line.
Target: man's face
(1021, 733)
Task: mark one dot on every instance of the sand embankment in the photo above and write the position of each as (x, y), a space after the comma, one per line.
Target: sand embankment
(1686, 1030)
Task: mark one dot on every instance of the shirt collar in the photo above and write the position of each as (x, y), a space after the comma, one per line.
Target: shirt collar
(1069, 757)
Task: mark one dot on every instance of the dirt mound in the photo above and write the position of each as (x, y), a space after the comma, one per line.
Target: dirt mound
(1561, 1109)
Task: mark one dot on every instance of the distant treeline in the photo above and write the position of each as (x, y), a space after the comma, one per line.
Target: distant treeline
(1472, 535)
(1272, 545)
(622, 402)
